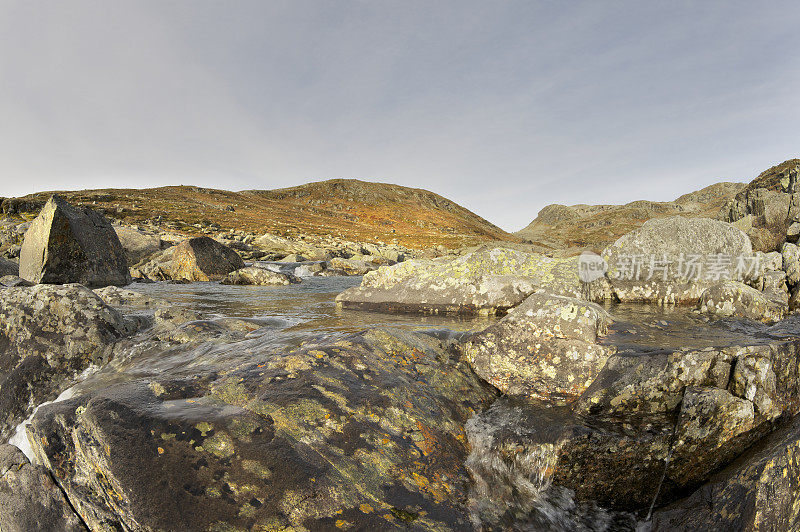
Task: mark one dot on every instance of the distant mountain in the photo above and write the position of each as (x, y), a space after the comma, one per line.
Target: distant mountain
(593, 227)
(347, 208)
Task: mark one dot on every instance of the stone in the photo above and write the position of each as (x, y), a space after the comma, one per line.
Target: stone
(351, 266)
(760, 491)
(732, 298)
(253, 275)
(10, 281)
(545, 348)
(50, 334)
(772, 261)
(137, 244)
(363, 431)
(793, 232)
(30, 499)
(69, 245)
(790, 254)
(763, 214)
(8, 267)
(485, 281)
(654, 263)
(192, 260)
(293, 257)
(120, 297)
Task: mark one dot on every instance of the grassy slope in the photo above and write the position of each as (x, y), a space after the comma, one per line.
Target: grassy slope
(346, 208)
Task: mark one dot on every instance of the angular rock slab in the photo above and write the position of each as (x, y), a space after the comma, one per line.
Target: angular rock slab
(50, 333)
(545, 348)
(486, 281)
(65, 244)
(30, 499)
(655, 263)
(364, 432)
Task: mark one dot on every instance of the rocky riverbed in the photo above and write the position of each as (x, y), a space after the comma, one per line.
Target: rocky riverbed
(496, 390)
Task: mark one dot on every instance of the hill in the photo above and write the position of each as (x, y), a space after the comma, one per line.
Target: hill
(346, 208)
(593, 227)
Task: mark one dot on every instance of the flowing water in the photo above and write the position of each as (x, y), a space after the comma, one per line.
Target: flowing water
(286, 316)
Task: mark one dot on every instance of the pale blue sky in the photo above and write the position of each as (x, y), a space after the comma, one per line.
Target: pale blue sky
(503, 107)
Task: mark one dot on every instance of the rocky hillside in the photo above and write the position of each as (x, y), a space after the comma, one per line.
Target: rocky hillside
(347, 208)
(595, 226)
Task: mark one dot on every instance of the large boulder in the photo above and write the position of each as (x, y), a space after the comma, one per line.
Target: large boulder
(486, 281)
(49, 334)
(253, 275)
(196, 259)
(30, 499)
(673, 260)
(760, 491)
(69, 245)
(545, 348)
(732, 298)
(363, 432)
(137, 244)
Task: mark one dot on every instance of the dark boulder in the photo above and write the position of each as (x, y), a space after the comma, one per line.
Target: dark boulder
(69, 245)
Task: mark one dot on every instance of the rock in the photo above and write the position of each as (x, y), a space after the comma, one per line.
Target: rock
(793, 232)
(790, 254)
(259, 276)
(120, 297)
(732, 298)
(8, 267)
(760, 491)
(136, 244)
(307, 270)
(293, 257)
(763, 215)
(673, 260)
(794, 299)
(545, 348)
(29, 498)
(351, 266)
(195, 259)
(10, 281)
(364, 431)
(486, 281)
(775, 283)
(69, 245)
(50, 334)
(772, 261)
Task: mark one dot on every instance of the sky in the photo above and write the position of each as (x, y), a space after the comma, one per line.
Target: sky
(501, 106)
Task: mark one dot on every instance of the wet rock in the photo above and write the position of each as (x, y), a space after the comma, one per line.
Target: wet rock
(137, 244)
(760, 491)
(50, 334)
(195, 259)
(29, 498)
(486, 281)
(545, 348)
(673, 260)
(365, 432)
(732, 298)
(8, 267)
(69, 245)
(253, 275)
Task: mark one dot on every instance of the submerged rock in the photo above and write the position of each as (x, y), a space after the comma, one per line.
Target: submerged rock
(69, 245)
(732, 298)
(486, 281)
(49, 334)
(30, 499)
(675, 259)
(363, 432)
(253, 275)
(545, 348)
